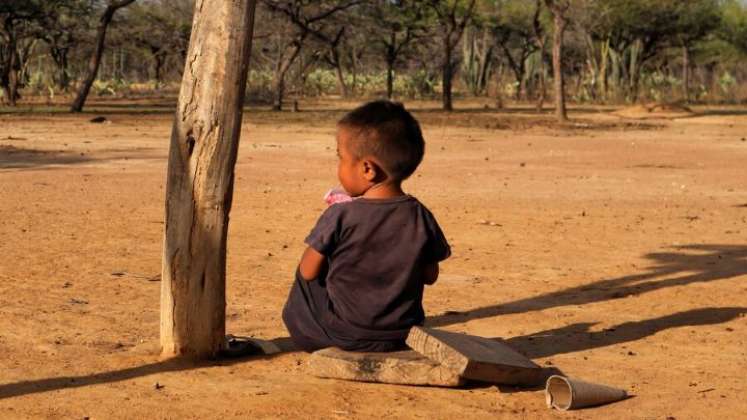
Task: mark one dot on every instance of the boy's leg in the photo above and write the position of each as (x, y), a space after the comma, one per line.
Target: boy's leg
(301, 314)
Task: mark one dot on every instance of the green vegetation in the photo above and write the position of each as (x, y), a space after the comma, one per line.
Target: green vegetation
(613, 51)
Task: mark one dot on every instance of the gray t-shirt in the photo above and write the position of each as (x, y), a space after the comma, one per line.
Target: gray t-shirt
(376, 250)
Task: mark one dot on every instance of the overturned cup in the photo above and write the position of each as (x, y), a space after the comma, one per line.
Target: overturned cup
(568, 394)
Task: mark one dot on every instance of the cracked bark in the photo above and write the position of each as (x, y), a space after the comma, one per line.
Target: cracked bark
(202, 156)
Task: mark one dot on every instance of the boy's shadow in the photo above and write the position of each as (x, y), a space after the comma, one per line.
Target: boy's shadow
(690, 264)
(578, 337)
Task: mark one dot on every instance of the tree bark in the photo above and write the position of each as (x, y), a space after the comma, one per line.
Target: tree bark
(95, 61)
(199, 189)
(557, 64)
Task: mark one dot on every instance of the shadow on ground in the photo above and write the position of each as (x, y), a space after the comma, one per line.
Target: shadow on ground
(12, 157)
(171, 365)
(692, 264)
(578, 337)
(689, 264)
(18, 158)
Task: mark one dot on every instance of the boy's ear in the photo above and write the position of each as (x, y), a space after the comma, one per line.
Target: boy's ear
(370, 170)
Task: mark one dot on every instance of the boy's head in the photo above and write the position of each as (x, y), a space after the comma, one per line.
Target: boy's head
(378, 142)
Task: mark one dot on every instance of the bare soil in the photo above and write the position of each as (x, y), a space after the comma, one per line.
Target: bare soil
(611, 249)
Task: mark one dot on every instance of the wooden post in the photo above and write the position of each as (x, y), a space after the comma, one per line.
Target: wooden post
(202, 156)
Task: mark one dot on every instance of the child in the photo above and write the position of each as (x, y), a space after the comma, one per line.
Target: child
(359, 285)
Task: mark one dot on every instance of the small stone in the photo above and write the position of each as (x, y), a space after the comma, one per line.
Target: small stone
(523, 164)
(158, 386)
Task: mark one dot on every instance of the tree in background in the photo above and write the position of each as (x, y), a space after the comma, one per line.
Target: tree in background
(393, 27)
(93, 65)
(734, 24)
(695, 19)
(161, 29)
(452, 17)
(512, 29)
(64, 25)
(309, 19)
(559, 10)
(18, 34)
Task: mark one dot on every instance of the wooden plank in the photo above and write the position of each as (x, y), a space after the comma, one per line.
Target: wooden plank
(403, 367)
(476, 358)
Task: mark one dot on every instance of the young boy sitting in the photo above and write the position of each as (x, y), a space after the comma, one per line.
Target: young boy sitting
(359, 285)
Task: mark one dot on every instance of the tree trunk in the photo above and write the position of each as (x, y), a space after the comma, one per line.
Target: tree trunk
(95, 62)
(686, 73)
(158, 58)
(62, 78)
(340, 76)
(446, 76)
(603, 81)
(542, 90)
(557, 64)
(389, 78)
(282, 69)
(13, 70)
(202, 156)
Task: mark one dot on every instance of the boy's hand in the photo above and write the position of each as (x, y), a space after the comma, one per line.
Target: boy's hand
(312, 263)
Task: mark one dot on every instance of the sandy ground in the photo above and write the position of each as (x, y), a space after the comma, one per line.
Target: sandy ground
(613, 249)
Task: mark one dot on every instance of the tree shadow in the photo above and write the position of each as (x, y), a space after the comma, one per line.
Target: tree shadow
(690, 264)
(577, 337)
(12, 157)
(17, 158)
(16, 389)
(722, 112)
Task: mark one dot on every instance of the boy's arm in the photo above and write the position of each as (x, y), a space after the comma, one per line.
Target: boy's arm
(312, 263)
(430, 273)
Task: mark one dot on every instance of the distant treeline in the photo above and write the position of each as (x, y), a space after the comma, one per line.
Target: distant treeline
(613, 51)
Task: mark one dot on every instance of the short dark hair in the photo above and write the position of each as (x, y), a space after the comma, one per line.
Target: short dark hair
(389, 133)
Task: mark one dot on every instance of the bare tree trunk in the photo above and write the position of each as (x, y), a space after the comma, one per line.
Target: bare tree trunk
(93, 64)
(14, 69)
(389, 78)
(59, 56)
(542, 85)
(557, 64)
(446, 77)
(199, 190)
(338, 69)
(603, 80)
(282, 69)
(686, 73)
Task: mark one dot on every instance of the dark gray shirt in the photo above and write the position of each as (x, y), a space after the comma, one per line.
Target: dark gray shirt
(376, 250)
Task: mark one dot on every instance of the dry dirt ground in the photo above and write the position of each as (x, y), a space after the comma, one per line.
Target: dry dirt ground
(613, 249)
